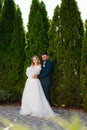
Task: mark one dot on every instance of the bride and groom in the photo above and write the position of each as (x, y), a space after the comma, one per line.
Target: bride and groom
(35, 98)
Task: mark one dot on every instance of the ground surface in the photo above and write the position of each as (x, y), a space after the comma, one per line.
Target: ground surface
(11, 112)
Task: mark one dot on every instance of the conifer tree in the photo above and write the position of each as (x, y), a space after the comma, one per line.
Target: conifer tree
(83, 71)
(45, 22)
(17, 61)
(37, 40)
(72, 34)
(1, 4)
(6, 30)
(55, 51)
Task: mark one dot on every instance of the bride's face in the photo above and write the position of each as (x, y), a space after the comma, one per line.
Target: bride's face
(35, 61)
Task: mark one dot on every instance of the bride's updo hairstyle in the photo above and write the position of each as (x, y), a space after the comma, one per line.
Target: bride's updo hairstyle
(36, 58)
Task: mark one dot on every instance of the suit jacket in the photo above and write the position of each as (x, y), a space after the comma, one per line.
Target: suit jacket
(46, 74)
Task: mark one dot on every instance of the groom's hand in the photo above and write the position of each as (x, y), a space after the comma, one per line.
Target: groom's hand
(34, 76)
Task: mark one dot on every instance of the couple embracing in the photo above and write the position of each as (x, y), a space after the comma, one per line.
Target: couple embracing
(35, 99)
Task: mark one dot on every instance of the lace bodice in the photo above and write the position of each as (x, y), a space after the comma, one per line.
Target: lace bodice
(33, 70)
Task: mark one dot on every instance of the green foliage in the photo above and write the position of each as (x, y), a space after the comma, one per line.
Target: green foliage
(74, 124)
(37, 39)
(10, 126)
(83, 69)
(67, 52)
(6, 30)
(12, 55)
(55, 51)
(62, 40)
(17, 61)
(1, 5)
(4, 95)
(45, 22)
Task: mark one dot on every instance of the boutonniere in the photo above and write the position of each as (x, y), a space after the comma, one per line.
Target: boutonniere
(44, 64)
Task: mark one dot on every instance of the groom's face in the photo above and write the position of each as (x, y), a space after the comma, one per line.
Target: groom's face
(44, 57)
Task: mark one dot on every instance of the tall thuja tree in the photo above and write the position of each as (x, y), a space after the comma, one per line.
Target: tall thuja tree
(37, 40)
(83, 70)
(55, 51)
(6, 30)
(1, 4)
(72, 34)
(45, 23)
(17, 61)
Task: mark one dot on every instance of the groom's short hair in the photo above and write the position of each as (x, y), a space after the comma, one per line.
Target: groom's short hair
(45, 53)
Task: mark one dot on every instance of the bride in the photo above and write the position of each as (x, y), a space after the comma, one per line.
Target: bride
(34, 102)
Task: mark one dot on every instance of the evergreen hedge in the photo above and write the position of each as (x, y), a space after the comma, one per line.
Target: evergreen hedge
(12, 40)
(63, 41)
(83, 69)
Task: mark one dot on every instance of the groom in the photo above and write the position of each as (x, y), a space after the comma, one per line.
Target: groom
(46, 74)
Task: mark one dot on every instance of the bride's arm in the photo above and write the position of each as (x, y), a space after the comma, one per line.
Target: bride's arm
(28, 71)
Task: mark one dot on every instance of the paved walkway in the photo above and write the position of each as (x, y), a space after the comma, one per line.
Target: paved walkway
(12, 113)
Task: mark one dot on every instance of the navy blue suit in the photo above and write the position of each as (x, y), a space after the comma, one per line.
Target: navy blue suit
(46, 77)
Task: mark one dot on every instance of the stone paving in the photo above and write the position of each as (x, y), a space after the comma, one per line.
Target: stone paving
(34, 123)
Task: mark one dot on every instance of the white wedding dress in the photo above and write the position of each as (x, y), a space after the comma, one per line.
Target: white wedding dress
(34, 102)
